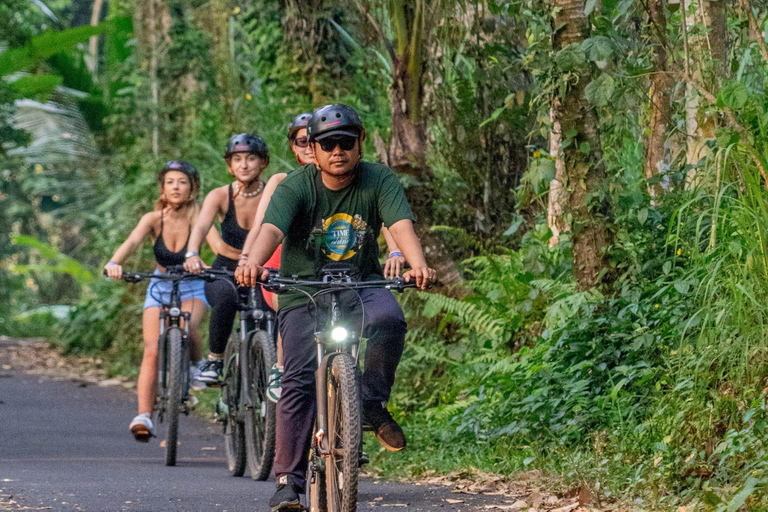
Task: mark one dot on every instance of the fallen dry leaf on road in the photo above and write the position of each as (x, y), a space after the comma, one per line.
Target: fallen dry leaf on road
(453, 501)
(567, 508)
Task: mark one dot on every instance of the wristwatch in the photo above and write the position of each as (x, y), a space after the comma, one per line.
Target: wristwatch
(189, 254)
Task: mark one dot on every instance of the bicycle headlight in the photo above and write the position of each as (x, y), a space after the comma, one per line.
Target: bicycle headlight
(339, 334)
(174, 311)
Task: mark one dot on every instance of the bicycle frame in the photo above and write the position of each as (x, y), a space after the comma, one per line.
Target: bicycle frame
(251, 312)
(170, 316)
(350, 345)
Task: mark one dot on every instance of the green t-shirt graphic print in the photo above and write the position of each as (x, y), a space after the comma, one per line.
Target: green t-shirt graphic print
(323, 226)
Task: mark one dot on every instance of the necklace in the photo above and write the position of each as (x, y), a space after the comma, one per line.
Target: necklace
(239, 189)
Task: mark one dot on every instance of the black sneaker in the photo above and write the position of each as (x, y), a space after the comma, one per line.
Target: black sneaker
(286, 497)
(211, 371)
(386, 429)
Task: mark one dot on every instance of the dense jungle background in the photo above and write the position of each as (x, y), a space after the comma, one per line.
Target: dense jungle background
(588, 175)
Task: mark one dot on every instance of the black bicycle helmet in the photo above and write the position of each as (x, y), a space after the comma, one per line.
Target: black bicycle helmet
(299, 122)
(246, 143)
(334, 120)
(185, 167)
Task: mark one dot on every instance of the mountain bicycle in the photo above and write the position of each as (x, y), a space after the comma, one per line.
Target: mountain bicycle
(248, 416)
(336, 448)
(173, 356)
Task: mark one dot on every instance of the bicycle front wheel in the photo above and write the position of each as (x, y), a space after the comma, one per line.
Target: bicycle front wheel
(344, 435)
(260, 413)
(175, 390)
(234, 434)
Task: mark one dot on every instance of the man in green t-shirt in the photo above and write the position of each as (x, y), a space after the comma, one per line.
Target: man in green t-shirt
(330, 212)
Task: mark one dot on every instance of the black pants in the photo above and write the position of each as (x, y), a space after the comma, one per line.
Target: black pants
(385, 329)
(222, 296)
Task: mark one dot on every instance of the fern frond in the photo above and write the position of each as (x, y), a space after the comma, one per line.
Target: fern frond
(467, 315)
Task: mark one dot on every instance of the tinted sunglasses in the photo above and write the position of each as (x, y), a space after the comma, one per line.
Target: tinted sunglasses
(346, 143)
(301, 142)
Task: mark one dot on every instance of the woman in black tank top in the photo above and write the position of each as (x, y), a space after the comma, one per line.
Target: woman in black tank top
(235, 206)
(170, 224)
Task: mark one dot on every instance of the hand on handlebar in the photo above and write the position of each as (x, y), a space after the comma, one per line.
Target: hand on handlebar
(424, 276)
(194, 265)
(250, 275)
(393, 266)
(113, 270)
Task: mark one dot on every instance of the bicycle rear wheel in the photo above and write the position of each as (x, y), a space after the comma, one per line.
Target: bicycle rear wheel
(175, 390)
(344, 435)
(260, 416)
(234, 433)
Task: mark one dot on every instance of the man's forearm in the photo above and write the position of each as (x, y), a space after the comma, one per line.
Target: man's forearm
(405, 238)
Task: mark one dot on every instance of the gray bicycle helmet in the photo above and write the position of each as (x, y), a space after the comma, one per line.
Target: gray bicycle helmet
(246, 143)
(336, 119)
(299, 122)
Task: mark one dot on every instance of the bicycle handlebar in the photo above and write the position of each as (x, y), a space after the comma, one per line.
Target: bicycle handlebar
(276, 284)
(175, 273)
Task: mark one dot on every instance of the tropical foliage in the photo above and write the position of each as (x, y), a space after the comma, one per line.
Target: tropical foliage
(589, 179)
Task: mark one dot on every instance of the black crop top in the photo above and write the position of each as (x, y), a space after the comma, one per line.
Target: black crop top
(163, 256)
(231, 232)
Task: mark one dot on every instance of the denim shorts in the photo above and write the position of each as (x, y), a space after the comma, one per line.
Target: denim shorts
(159, 292)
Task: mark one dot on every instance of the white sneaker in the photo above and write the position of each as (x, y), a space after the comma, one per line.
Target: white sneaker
(141, 427)
(195, 383)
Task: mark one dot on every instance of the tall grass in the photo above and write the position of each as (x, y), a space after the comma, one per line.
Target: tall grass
(657, 387)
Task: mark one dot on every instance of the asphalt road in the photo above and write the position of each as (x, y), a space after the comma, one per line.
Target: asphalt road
(65, 446)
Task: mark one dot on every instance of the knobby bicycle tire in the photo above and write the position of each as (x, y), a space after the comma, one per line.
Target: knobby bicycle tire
(175, 387)
(234, 433)
(344, 435)
(260, 418)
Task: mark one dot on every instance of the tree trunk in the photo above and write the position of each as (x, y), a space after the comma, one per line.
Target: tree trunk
(407, 155)
(584, 172)
(661, 98)
(706, 60)
(93, 43)
(408, 146)
(557, 196)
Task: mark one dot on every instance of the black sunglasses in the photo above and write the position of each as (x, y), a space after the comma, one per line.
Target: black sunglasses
(301, 142)
(344, 142)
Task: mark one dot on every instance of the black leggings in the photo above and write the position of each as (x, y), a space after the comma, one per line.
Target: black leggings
(223, 297)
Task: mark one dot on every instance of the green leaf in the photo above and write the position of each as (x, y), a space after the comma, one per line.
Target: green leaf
(597, 48)
(571, 133)
(542, 171)
(570, 58)
(517, 221)
(43, 46)
(62, 263)
(733, 95)
(642, 215)
(589, 7)
(35, 86)
(495, 115)
(742, 496)
(666, 267)
(585, 147)
(624, 6)
(682, 287)
(600, 91)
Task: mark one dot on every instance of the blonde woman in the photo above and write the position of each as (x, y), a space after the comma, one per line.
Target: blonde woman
(169, 226)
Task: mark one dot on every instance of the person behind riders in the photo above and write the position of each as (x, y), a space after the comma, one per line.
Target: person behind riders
(297, 139)
(169, 225)
(235, 205)
(327, 213)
